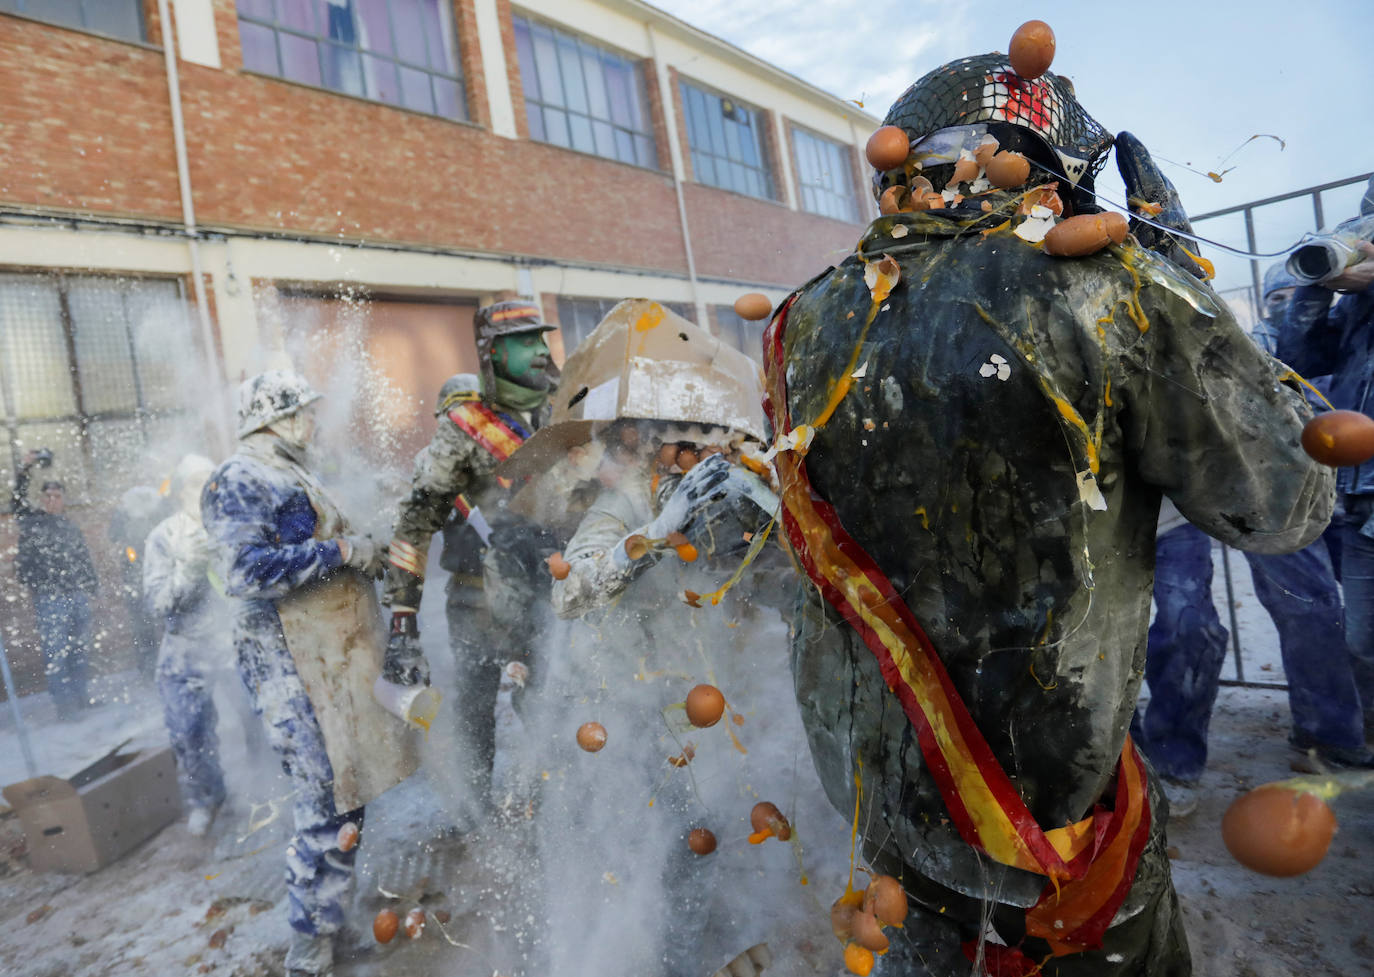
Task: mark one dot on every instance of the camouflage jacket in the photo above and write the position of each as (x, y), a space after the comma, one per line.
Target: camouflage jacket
(1002, 457)
(453, 474)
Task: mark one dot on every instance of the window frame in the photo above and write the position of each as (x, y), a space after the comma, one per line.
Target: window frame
(695, 117)
(845, 153)
(22, 11)
(359, 56)
(643, 141)
(84, 420)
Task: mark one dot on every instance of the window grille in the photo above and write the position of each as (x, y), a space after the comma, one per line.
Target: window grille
(401, 52)
(825, 176)
(94, 368)
(727, 143)
(581, 96)
(745, 336)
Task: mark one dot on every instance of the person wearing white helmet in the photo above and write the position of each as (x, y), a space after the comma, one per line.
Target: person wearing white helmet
(176, 586)
(304, 596)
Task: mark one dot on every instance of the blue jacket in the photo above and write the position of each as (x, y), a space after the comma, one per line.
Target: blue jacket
(1317, 338)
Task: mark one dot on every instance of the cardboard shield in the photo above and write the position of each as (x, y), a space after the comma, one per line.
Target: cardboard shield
(334, 632)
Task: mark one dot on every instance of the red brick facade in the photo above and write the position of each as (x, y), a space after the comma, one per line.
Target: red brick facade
(88, 129)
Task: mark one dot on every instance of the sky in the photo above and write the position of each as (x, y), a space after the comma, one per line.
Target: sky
(1192, 80)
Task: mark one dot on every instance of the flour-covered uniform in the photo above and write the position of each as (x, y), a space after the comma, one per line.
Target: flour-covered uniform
(274, 527)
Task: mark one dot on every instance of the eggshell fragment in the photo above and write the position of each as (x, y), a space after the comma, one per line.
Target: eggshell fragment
(894, 200)
(1031, 50)
(886, 900)
(591, 736)
(842, 919)
(347, 838)
(1006, 170)
(384, 926)
(702, 841)
(867, 933)
(705, 706)
(985, 150)
(636, 547)
(1275, 830)
(1339, 437)
(1078, 236)
(920, 186)
(1117, 225)
(766, 817)
(965, 171)
(415, 923)
(753, 306)
(558, 567)
(888, 148)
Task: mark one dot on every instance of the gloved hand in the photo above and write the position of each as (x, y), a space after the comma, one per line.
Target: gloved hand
(1144, 181)
(363, 553)
(704, 484)
(405, 663)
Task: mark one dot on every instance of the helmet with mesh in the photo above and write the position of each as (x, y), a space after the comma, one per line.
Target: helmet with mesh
(1039, 117)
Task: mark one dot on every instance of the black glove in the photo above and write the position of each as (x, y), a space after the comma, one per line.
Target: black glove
(1145, 182)
(405, 663)
(520, 546)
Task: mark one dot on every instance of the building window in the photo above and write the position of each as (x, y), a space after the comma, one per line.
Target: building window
(577, 317)
(97, 369)
(745, 336)
(401, 52)
(825, 176)
(727, 143)
(117, 18)
(583, 97)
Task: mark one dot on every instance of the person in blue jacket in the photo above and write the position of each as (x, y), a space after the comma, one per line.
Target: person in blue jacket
(278, 533)
(1317, 338)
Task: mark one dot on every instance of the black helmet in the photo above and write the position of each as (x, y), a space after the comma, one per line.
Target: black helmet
(503, 319)
(1040, 118)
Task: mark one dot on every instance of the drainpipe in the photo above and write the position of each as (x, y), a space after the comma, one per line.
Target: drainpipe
(665, 93)
(188, 218)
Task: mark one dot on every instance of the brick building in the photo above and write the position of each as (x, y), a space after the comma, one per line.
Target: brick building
(343, 182)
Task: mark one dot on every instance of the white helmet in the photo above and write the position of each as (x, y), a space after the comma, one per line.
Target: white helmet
(268, 397)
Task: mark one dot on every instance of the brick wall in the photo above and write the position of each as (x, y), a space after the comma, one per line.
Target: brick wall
(87, 128)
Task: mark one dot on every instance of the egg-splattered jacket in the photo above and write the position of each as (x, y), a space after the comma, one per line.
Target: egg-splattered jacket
(257, 509)
(453, 474)
(1001, 456)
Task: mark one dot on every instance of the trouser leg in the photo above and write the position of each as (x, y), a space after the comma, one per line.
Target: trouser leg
(1357, 578)
(479, 653)
(1299, 592)
(1187, 647)
(64, 627)
(319, 877)
(189, 711)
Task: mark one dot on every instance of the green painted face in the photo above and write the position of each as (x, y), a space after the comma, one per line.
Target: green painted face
(521, 358)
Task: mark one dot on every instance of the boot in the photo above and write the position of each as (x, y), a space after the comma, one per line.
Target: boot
(310, 956)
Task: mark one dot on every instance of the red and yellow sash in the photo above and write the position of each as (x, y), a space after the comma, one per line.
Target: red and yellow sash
(482, 424)
(1090, 864)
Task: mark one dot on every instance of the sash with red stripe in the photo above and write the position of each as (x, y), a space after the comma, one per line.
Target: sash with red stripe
(1090, 864)
(496, 437)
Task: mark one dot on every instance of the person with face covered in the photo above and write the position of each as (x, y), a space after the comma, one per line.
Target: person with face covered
(310, 647)
(493, 559)
(176, 586)
(53, 561)
(978, 512)
(648, 476)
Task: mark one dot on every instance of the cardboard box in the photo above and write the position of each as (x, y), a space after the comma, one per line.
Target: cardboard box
(84, 823)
